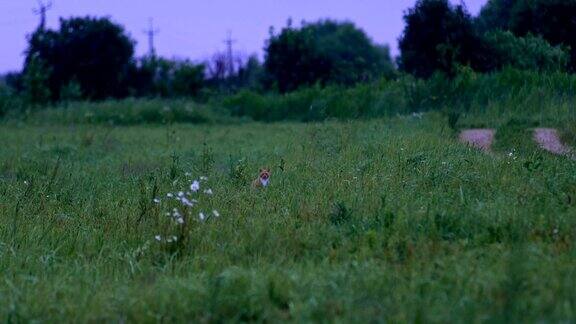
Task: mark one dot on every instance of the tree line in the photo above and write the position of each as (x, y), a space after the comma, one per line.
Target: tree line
(90, 58)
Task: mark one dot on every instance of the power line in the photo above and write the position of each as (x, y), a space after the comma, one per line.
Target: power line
(151, 32)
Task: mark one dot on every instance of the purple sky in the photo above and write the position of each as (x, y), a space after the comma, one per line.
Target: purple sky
(196, 28)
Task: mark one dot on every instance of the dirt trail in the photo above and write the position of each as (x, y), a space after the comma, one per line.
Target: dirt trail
(478, 138)
(549, 140)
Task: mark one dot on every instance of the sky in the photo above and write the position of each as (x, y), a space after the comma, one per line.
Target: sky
(195, 29)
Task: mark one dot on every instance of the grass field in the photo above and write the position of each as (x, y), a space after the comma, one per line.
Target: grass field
(388, 220)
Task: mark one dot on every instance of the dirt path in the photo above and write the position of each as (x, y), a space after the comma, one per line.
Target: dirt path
(549, 140)
(478, 138)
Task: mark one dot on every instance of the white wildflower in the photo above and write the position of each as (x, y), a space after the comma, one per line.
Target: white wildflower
(195, 186)
(158, 238)
(203, 178)
(201, 216)
(208, 191)
(216, 213)
(26, 182)
(169, 195)
(156, 200)
(180, 220)
(181, 194)
(186, 202)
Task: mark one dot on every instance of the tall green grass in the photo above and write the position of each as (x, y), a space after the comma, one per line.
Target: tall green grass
(479, 99)
(126, 112)
(383, 220)
(507, 93)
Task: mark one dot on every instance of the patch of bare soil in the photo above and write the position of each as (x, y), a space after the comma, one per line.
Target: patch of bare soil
(479, 138)
(549, 140)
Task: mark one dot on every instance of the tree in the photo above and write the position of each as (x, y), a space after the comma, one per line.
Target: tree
(160, 77)
(554, 20)
(495, 14)
(188, 78)
(438, 37)
(94, 52)
(324, 52)
(250, 73)
(35, 81)
(551, 19)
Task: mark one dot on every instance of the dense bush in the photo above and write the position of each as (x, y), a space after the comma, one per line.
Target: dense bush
(551, 19)
(526, 53)
(510, 90)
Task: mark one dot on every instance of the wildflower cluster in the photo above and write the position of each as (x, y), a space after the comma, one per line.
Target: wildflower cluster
(183, 205)
(512, 156)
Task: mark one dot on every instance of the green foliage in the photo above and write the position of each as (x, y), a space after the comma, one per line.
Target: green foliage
(95, 52)
(526, 53)
(71, 92)
(507, 92)
(510, 90)
(311, 104)
(325, 52)
(340, 214)
(439, 37)
(130, 112)
(9, 100)
(250, 75)
(160, 77)
(550, 19)
(495, 14)
(36, 82)
(188, 79)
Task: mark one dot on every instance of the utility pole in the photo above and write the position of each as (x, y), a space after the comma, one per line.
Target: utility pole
(151, 32)
(230, 54)
(41, 11)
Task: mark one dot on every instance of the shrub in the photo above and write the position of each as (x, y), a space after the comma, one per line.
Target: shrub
(526, 53)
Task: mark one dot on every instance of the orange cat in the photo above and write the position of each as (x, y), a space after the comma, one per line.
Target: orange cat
(263, 179)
